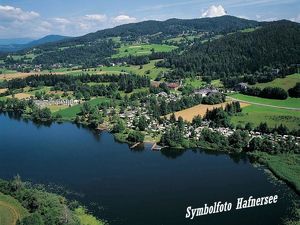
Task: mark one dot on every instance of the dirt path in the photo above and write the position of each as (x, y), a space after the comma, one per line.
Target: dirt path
(16, 215)
(261, 104)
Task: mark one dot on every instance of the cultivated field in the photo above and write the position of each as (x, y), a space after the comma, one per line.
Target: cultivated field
(10, 76)
(285, 83)
(10, 210)
(3, 90)
(21, 96)
(256, 114)
(190, 113)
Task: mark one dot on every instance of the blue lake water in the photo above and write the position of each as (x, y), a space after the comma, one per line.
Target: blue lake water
(137, 187)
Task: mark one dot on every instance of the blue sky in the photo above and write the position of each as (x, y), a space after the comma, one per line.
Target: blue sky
(36, 18)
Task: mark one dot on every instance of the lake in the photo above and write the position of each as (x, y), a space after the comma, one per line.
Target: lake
(137, 187)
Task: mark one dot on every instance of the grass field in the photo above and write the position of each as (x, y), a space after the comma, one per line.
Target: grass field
(143, 49)
(194, 82)
(290, 102)
(190, 113)
(154, 71)
(71, 112)
(10, 210)
(256, 114)
(6, 71)
(285, 83)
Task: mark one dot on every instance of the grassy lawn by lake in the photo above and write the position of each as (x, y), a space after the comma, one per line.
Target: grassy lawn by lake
(290, 102)
(285, 83)
(142, 49)
(70, 113)
(256, 114)
(87, 219)
(10, 210)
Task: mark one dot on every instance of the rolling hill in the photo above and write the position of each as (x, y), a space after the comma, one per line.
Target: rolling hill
(95, 47)
(274, 45)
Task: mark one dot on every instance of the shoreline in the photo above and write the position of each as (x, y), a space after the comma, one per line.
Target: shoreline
(205, 146)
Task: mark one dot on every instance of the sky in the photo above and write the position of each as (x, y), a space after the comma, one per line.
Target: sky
(37, 18)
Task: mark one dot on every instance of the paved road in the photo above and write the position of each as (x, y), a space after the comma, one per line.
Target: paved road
(255, 103)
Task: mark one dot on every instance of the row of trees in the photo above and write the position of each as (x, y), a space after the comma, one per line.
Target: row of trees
(126, 82)
(267, 92)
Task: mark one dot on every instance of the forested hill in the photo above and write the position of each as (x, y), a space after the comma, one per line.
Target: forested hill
(174, 27)
(95, 47)
(275, 44)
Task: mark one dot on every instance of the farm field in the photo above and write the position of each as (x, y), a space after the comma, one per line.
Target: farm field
(71, 112)
(21, 96)
(190, 113)
(3, 90)
(10, 210)
(285, 83)
(143, 49)
(290, 102)
(10, 76)
(256, 114)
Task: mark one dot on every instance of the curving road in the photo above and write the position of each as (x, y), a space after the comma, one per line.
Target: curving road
(261, 104)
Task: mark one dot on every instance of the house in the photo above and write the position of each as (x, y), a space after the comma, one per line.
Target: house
(205, 91)
(241, 87)
(173, 85)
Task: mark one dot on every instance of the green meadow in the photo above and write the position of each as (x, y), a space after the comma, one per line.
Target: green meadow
(148, 69)
(285, 83)
(256, 114)
(70, 113)
(142, 49)
(290, 102)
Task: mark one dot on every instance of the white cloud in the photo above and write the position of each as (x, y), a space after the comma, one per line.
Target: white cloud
(10, 14)
(96, 17)
(123, 19)
(214, 11)
(296, 18)
(61, 21)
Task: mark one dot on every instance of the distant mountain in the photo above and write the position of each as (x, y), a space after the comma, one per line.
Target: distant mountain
(95, 47)
(172, 27)
(20, 44)
(15, 41)
(47, 39)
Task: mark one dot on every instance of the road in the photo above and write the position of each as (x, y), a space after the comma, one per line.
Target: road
(255, 103)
